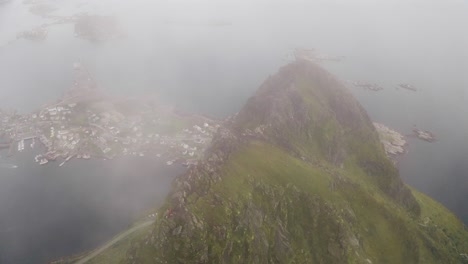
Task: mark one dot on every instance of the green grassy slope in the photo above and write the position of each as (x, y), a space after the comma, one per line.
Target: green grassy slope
(306, 111)
(273, 208)
(299, 176)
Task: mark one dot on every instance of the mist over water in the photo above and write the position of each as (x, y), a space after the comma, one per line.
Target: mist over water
(50, 211)
(209, 57)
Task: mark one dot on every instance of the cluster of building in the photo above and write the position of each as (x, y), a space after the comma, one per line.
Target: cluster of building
(55, 113)
(14, 129)
(85, 124)
(69, 132)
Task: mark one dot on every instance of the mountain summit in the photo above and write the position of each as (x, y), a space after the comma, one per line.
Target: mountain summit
(307, 112)
(299, 176)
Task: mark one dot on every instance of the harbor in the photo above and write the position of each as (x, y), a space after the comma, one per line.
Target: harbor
(85, 123)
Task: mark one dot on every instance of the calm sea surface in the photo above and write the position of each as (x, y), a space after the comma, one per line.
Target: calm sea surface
(50, 211)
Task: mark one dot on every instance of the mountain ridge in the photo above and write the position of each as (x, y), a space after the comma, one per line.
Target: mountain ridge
(326, 128)
(298, 176)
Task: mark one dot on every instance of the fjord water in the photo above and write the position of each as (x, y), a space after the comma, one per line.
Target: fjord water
(209, 57)
(50, 211)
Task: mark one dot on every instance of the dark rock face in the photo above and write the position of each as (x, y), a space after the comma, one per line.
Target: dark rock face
(304, 104)
(308, 112)
(288, 95)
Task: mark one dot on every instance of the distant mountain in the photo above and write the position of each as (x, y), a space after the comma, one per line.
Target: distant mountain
(298, 176)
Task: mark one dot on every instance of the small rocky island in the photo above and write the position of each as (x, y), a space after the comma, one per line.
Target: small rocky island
(394, 143)
(368, 86)
(407, 86)
(94, 28)
(424, 135)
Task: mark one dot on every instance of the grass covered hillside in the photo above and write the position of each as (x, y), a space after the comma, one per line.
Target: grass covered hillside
(298, 176)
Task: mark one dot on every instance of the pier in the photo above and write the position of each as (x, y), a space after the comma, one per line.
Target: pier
(26, 136)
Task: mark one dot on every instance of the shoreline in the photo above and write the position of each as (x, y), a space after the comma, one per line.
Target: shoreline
(394, 143)
(87, 123)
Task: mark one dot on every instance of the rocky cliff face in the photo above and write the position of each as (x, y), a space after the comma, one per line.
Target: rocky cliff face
(299, 176)
(307, 112)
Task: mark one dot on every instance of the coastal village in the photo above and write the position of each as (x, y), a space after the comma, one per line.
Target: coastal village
(86, 124)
